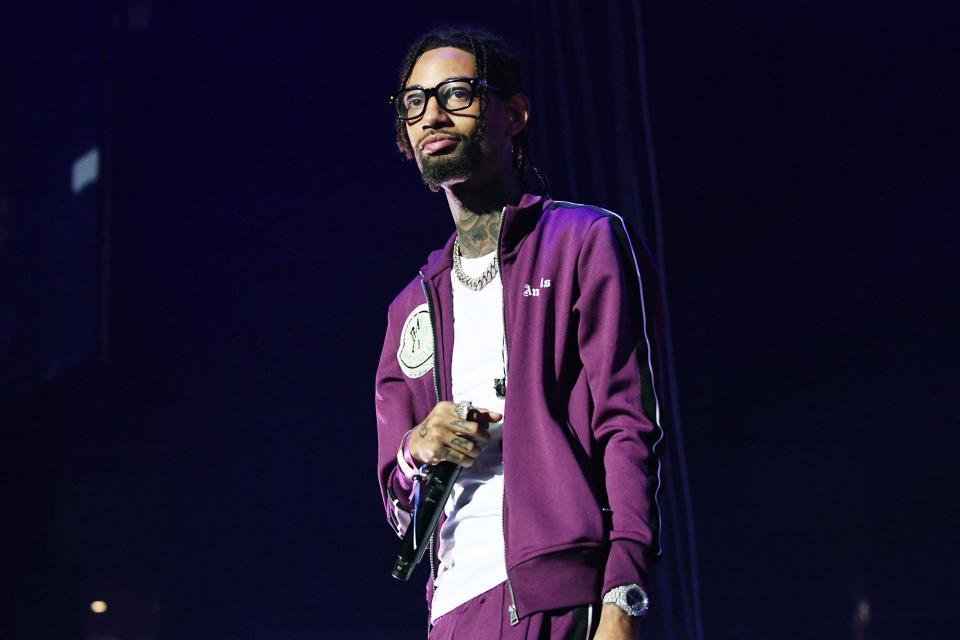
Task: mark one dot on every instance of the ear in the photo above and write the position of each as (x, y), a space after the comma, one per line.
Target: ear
(518, 112)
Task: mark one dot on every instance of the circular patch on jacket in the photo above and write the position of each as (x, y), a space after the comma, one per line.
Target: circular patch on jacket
(416, 343)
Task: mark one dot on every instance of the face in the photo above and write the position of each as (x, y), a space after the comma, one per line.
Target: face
(451, 148)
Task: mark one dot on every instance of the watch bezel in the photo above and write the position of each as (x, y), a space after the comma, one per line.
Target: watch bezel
(618, 596)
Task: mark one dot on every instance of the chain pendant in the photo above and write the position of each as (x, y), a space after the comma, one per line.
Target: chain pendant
(478, 283)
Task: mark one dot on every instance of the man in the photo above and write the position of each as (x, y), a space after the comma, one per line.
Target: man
(522, 352)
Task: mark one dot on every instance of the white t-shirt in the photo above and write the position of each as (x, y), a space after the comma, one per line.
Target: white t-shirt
(471, 550)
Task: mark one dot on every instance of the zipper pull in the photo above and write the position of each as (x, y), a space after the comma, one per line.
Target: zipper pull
(514, 617)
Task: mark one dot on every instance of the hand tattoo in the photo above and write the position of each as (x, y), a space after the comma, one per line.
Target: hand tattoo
(463, 443)
(422, 431)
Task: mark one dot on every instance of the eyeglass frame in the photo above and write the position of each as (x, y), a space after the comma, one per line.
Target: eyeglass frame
(476, 84)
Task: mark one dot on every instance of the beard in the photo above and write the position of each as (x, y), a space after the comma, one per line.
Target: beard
(459, 165)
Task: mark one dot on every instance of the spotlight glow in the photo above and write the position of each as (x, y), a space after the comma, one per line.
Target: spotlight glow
(98, 606)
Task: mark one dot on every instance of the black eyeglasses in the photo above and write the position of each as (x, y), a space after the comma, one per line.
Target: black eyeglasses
(455, 94)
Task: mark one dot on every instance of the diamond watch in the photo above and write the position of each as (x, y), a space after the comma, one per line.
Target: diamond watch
(631, 598)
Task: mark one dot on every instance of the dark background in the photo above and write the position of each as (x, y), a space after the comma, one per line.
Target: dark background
(215, 478)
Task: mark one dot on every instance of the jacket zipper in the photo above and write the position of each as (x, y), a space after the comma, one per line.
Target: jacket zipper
(436, 391)
(514, 615)
(433, 331)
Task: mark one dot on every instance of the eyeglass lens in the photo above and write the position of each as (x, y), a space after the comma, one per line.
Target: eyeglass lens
(453, 95)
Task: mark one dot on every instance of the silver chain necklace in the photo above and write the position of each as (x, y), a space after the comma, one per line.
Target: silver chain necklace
(478, 283)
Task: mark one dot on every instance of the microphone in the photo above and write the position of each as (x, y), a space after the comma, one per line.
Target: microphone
(434, 489)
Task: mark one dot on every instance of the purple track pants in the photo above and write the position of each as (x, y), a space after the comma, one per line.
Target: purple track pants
(486, 617)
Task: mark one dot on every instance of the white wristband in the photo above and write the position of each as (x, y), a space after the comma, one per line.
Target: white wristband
(405, 467)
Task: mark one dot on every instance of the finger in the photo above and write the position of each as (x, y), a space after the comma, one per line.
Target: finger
(484, 415)
(460, 409)
(445, 408)
(461, 444)
(482, 435)
(464, 427)
(452, 455)
(473, 431)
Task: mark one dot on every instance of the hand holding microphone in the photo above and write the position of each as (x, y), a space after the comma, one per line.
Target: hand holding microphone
(452, 432)
(450, 437)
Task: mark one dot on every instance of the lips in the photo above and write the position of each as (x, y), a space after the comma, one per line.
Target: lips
(438, 143)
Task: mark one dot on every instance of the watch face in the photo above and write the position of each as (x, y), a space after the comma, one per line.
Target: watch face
(634, 597)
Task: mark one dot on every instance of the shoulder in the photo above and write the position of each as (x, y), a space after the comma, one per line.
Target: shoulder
(583, 220)
(407, 345)
(567, 212)
(602, 235)
(590, 224)
(409, 298)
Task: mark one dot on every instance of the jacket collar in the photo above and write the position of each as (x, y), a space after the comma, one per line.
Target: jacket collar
(518, 221)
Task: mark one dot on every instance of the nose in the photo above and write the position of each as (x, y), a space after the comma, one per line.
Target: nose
(433, 115)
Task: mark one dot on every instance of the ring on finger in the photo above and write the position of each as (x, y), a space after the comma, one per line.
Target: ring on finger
(463, 408)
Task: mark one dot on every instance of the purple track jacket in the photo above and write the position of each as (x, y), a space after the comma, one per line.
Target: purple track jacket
(581, 474)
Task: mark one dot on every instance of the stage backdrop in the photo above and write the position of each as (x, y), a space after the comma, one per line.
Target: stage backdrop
(51, 132)
(792, 167)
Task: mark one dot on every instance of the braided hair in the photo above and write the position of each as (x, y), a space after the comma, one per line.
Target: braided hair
(497, 63)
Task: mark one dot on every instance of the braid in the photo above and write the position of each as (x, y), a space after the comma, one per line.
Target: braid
(521, 162)
(496, 63)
